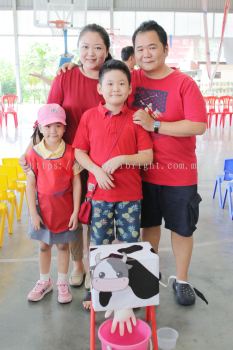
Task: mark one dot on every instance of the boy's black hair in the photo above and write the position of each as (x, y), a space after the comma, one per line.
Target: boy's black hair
(151, 26)
(127, 52)
(96, 28)
(114, 65)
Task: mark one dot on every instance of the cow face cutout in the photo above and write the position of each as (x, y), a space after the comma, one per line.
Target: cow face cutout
(110, 274)
(124, 275)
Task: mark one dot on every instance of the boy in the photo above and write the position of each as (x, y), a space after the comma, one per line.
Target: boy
(112, 148)
(127, 56)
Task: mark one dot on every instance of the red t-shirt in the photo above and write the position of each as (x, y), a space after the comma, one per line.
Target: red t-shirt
(177, 97)
(97, 133)
(76, 93)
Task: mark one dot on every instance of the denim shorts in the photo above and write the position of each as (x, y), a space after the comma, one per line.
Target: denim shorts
(177, 205)
(112, 220)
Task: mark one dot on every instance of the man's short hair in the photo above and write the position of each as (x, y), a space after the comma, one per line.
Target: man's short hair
(126, 52)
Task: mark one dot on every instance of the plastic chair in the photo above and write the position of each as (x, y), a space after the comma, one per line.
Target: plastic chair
(9, 102)
(1, 114)
(14, 185)
(212, 103)
(227, 176)
(21, 176)
(225, 109)
(4, 214)
(9, 197)
(229, 191)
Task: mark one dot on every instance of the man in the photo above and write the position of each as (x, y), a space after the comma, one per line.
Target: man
(170, 106)
(127, 56)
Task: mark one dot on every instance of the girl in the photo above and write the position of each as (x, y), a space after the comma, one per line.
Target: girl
(55, 178)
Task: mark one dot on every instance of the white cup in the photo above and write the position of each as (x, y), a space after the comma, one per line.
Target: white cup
(167, 338)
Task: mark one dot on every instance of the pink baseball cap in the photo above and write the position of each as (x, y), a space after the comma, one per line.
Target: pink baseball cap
(51, 113)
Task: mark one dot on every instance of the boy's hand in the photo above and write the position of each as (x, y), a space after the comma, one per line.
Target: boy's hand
(36, 221)
(73, 223)
(105, 181)
(66, 66)
(113, 164)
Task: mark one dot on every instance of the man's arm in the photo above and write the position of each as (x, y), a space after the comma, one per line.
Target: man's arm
(181, 128)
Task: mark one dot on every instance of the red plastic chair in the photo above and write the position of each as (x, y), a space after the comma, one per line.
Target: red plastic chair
(1, 114)
(225, 105)
(212, 108)
(9, 103)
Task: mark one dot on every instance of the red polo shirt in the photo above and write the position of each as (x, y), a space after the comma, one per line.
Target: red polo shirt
(97, 132)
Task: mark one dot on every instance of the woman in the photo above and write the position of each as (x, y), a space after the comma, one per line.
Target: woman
(76, 91)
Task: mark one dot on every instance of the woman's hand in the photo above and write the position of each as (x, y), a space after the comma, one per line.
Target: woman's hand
(113, 164)
(24, 165)
(66, 66)
(36, 221)
(105, 181)
(73, 223)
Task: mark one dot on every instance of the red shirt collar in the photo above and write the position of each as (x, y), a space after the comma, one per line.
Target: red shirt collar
(106, 112)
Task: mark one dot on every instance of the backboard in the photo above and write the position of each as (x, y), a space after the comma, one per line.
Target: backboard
(74, 12)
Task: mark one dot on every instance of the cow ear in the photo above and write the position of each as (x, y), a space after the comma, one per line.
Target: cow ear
(97, 258)
(124, 259)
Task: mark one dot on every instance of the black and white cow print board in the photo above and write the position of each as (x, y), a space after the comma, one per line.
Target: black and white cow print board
(123, 276)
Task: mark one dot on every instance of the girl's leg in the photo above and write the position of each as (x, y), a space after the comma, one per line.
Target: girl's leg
(44, 284)
(128, 219)
(63, 256)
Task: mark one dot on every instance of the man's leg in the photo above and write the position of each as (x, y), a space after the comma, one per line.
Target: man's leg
(182, 250)
(152, 235)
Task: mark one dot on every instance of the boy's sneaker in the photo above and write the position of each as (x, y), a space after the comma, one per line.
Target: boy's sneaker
(40, 290)
(184, 292)
(64, 295)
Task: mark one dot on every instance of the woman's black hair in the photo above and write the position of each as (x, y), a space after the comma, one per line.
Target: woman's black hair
(114, 65)
(149, 26)
(95, 28)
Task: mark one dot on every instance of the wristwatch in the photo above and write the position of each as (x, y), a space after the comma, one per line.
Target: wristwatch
(157, 125)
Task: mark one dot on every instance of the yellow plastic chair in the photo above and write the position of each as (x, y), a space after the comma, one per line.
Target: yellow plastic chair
(14, 185)
(4, 214)
(10, 161)
(9, 197)
(21, 176)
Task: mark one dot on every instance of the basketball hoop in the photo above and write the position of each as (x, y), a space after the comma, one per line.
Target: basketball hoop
(59, 27)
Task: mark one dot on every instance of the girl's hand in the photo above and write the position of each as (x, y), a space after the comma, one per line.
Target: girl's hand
(105, 181)
(73, 223)
(23, 163)
(113, 164)
(36, 221)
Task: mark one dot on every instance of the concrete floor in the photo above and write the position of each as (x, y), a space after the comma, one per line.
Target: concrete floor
(49, 325)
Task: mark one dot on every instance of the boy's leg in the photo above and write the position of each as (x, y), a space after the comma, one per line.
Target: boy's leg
(102, 231)
(102, 223)
(128, 218)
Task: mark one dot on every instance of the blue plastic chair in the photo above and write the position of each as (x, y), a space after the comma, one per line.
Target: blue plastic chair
(227, 176)
(229, 191)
